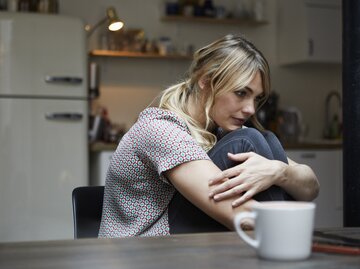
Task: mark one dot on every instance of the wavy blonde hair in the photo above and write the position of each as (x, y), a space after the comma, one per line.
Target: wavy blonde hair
(228, 64)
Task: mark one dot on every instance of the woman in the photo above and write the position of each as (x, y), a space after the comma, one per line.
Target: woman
(173, 171)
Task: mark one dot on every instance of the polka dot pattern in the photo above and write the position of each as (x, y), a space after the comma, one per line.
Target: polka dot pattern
(137, 194)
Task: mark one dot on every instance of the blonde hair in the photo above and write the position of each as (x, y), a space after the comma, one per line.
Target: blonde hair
(228, 64)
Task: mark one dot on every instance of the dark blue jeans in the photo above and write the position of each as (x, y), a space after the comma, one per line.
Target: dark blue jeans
(184, 217)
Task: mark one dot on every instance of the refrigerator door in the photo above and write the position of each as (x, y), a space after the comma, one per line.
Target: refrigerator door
(43, 158)
(42, 55)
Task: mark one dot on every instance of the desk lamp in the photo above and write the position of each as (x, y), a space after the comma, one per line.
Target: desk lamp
(114, 23)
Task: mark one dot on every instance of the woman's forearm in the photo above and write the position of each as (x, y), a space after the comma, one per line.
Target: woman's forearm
(191, 180)
(299, 181)
(255, 174)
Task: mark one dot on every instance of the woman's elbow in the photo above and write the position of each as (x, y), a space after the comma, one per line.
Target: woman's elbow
(313, 190)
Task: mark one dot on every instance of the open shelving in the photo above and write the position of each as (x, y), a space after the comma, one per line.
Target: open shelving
(191, 19)
(132, 54)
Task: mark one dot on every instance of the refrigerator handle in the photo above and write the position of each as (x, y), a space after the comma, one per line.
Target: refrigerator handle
(64, 116)
(63, 80)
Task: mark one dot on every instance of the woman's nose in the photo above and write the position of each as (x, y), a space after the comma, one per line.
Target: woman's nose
(249, 108)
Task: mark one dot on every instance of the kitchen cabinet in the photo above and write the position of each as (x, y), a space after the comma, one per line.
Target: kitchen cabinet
(327, 164)
(309, 31)
(99, 164)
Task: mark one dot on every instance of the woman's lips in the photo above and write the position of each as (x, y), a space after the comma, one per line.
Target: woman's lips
(238, 121)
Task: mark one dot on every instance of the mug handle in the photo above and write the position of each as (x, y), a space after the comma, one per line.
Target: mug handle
(237, 223)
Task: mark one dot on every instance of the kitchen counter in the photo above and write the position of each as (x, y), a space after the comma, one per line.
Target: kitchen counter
(315, 144)
(307, 144)
(102, 146)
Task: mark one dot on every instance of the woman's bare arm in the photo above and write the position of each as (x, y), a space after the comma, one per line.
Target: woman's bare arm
(256, 173)
(300, 181)
(191, 180)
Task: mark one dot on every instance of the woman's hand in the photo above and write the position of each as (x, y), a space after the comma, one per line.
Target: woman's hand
(253, 175)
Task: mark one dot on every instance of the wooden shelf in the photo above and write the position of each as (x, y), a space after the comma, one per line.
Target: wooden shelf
(178, 18)
(130, 54)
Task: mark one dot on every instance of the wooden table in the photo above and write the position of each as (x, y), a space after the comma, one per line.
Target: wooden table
(216, 250)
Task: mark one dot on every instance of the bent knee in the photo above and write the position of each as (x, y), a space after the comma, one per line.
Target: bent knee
(251, 134)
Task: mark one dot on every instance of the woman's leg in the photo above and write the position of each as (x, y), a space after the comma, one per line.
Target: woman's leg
(275, 146)
(184, 217)
(246, 140)
(277, 151)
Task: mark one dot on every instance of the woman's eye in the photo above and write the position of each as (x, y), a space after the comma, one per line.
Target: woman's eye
(241, 93)
(258, 99)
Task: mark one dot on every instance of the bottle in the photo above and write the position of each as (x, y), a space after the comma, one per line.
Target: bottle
(209, 10)
(94, 78)
(33, 5)
(335, 127)
(12, 5)
(3, 5)
(258, 10)
(54, 7)
(240, 10)
(43, 6)
(23, 6)
(165, 46)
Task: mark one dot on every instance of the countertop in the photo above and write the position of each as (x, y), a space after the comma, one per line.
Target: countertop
(315, 144)
(102, 146)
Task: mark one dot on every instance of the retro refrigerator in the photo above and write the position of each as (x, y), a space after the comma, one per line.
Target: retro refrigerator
(43, 124)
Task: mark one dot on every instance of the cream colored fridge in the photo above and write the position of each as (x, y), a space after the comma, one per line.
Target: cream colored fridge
(43, 124)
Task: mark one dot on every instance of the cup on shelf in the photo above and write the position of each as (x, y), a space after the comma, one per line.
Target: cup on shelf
(165, 46)
(220, 12)
(172, 8)
(188, 11)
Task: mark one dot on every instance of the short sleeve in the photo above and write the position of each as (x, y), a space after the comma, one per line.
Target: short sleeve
(165, 142)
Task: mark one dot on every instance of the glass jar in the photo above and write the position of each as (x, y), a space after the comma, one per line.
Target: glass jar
(23, 5)
(12, 5)
(48, 6)
(43, 6)
(54, 6)
(33, 5)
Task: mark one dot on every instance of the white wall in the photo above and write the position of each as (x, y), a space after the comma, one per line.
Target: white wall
(128, 85)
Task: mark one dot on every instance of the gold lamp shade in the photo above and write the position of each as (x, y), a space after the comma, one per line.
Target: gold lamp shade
(114, 23)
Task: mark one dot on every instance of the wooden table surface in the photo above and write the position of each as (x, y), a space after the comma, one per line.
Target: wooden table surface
(215, 250)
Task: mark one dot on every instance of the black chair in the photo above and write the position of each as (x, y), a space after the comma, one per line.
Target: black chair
(87, 209)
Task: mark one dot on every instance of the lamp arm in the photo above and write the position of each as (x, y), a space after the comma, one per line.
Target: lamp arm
(92, 29)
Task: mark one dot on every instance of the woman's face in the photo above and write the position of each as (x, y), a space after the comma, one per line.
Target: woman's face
(232, 109)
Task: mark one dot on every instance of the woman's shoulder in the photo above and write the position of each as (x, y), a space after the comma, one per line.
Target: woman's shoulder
(155, 114)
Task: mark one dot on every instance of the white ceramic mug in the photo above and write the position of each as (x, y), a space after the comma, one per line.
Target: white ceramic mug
(283, 229)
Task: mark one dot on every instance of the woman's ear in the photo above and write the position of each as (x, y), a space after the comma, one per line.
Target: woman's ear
(203, 81)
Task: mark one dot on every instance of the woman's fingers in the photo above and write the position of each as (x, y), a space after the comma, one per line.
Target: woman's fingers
(231, 172)
(240, 157)
(231, 192)
(241, 191)
(227, 189)
(244, 198)
(225, 175)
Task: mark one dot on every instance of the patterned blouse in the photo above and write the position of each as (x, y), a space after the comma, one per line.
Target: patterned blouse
(137, 194)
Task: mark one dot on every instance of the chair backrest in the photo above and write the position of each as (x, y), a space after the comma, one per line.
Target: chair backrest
(87, 204)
